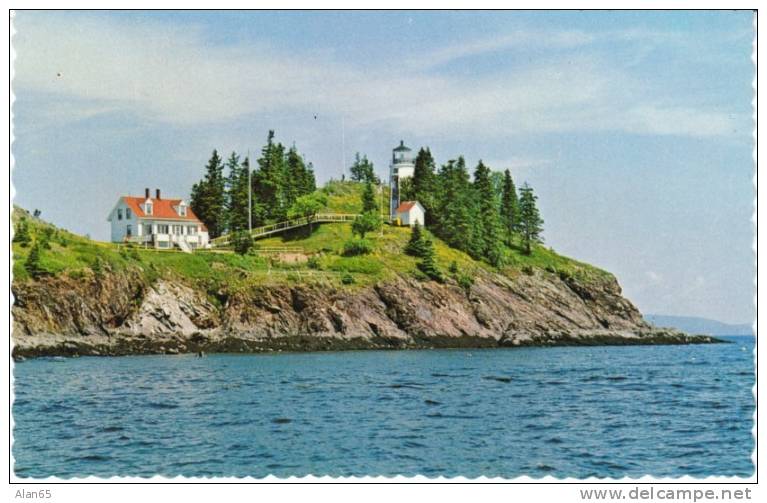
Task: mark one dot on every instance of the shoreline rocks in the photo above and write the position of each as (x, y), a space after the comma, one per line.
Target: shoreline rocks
(120, 315)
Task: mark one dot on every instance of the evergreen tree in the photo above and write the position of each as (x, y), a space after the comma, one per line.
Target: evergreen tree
(509, 207)
(32, 265)
(237, 194)
(428, 264)
(22, 235)
(419, 242)
(269, 183)
(488, 235)
(299, 178)
(424, 184)
(530, 221)
(208, 199)
(406, 191)
(362, 170)
(369, 203)
(455, 208)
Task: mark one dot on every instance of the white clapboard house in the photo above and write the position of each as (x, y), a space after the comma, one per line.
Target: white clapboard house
(157, 222)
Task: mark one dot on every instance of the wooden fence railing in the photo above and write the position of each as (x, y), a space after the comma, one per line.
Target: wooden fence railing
(267, 230)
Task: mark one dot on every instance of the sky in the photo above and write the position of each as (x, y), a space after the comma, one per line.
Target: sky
(634, 128)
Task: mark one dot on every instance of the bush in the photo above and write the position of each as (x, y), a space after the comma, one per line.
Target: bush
(453, 267)
(314, 262)
(466, 282)
(33, 265)
(242, 242)
(22, 233)
(429, 267)
(357, 247)
(367, 222)
(528, 270)
(347, 279)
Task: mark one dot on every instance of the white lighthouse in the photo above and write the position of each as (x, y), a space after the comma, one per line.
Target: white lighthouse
(402, 166)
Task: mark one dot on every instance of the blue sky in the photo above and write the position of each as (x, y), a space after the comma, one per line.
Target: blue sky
(633, 127)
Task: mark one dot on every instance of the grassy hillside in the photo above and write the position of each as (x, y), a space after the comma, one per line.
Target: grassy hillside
(313, 257)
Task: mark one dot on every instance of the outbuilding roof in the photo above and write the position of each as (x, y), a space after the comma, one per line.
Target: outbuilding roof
(406, 206)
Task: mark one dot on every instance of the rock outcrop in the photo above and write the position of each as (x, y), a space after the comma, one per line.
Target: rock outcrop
(119, 313)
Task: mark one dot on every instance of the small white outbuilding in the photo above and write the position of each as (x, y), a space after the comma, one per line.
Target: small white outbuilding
(410, 212)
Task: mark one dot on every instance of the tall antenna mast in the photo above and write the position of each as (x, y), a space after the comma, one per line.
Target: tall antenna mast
(343, 145)
(250, 188)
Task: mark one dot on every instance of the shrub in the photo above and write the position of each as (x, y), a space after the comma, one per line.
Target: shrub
(22, 233)
(33, 264)
(528, 270)
(242, 242)
(314, 262)
(453, 267)
(466, 282)
(367, 222)
(347, 279)
(357, 247)
(419, 243)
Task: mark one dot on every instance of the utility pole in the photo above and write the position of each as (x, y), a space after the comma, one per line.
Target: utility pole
(250, 189)
(343, 145)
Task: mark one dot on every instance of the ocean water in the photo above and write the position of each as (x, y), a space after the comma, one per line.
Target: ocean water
(565, 412)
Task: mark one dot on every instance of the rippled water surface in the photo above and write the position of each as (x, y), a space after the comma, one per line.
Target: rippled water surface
(566, 412)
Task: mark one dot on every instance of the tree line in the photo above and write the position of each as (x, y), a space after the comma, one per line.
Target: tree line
(477, 215)
(280, 179)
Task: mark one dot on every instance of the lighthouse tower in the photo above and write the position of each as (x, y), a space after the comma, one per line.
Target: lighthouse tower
(402, 166)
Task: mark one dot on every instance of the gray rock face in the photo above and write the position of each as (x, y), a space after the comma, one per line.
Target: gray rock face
(121, 315)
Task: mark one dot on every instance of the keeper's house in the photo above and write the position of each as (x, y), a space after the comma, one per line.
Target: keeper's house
(157, 222)
(410, 213)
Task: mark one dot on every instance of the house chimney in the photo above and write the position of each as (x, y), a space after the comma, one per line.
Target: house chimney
(158, 194)
(146, 193)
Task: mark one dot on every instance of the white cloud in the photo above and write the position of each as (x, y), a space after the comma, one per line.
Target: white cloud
(173, 75)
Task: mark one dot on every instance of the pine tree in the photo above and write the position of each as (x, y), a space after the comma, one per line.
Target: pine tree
(32, 265)
(237, 194)
(509, 207)
(418, 243)
(488, 235)
(22, 235)
(269, 182)
(428, 264)
(530, 221)
(362, 170)
(208, 199)
(455, 215)
(424, 184)
(299, 179)
(369, 203)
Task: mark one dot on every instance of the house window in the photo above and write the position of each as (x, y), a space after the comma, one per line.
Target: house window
(148, 208)
(191, 230)
(128, 230)
(178, 229)
(119, 214)
(182, 210)
(148, 229)
(127, 213)
(162, 229)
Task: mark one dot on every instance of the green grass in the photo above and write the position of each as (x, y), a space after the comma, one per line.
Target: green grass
(346, 197)
(213, 271)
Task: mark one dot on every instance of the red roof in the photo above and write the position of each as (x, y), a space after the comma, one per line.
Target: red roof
(406, 206)
(161, 209)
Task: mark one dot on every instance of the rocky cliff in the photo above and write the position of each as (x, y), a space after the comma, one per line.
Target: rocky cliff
(116, 313)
